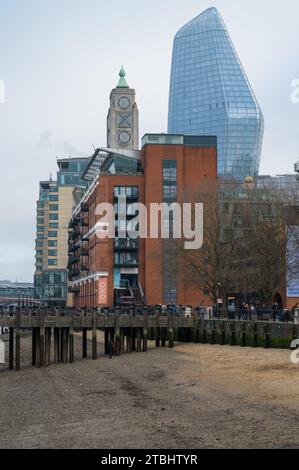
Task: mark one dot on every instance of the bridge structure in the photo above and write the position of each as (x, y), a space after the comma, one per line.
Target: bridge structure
(52, 332)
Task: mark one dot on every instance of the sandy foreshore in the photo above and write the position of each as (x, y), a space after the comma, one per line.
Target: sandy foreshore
(192, 396)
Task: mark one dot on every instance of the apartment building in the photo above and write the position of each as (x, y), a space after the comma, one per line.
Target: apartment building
(53, 212)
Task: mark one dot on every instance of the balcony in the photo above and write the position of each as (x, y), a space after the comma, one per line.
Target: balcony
(126, 244)
(74, 290)
(73, 273)
(84, 207)
(84, 222)
(84, 251)
(73, 260)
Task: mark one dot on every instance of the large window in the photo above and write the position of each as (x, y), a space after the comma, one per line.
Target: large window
(169, 173)
(52, 242)
(53, 216)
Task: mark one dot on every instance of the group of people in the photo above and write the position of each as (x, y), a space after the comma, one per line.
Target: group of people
(247, 311)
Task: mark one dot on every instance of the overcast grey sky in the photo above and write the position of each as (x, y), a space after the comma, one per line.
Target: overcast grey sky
(59, 60)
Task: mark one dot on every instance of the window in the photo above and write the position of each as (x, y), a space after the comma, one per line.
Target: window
(40, 228)
(52, 243)
(40, 236)
(128, 191)
(53, 216)
(126, 258)
(169, 170)
(39, 252)
(40, 221)
(52, 233)
(39, 243)
(53, 207)
(40, 213)
(52, 262)
(53, 197)
(53, 225)
(52, 252)
(40, 204)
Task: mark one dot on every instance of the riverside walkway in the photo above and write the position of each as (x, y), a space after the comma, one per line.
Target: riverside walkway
(53, 330)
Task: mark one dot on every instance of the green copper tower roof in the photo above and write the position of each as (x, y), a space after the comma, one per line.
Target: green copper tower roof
(122, 81)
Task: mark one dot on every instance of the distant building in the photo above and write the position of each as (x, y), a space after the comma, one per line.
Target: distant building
(53, 212)
(288, 183)
(15, 292)
(210, 95)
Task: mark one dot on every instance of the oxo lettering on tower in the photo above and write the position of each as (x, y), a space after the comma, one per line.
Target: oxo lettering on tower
(210, 95)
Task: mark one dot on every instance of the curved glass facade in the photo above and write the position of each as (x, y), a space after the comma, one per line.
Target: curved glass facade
(210, 94)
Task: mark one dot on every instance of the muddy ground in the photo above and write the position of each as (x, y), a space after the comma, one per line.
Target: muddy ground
(192, 396)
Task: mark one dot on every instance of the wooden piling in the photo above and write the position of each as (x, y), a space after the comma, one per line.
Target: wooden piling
(266, 337)
(37, 333)
(56, 346)
(133, 338)
(18, 340)
(94, 337)
(122, 340)
(232, 334)
(71, 345)
(33, 347)
(11, 348)
(144, 339)
(106, 334)
(243, 336)
(157, 334)
(42, 342)
(222, 334)
(255, 339)
(163, 337)
(170, 338)
(65, 344)
(129, 340)
(47, 346)
(213, 337)
(84, 343)
(138, 334)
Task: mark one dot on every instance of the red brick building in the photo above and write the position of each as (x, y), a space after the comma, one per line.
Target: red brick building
(105, 271)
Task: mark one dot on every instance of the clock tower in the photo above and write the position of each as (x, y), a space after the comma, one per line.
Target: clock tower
(122, 119)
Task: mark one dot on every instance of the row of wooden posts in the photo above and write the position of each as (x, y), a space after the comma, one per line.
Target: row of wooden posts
(53, 336)
(124, 340)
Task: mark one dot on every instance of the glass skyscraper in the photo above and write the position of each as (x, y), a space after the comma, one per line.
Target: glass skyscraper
(210, 94)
